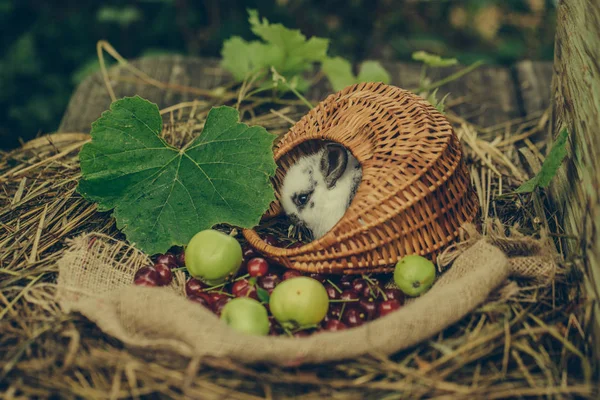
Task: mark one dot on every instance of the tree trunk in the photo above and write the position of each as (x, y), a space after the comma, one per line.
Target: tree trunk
(576, 106)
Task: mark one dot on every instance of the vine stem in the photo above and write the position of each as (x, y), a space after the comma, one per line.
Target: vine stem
(449, 78)
(279, 78)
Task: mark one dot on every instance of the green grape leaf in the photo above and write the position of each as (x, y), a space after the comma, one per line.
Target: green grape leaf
(433, 60)
(299, 51)
(339, 72)
(287, 50)
(243, 58)
(550, 165)
(373, 71)
(160, 195)
(263, 295)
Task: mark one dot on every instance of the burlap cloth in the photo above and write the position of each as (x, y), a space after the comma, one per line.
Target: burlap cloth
(96, 274)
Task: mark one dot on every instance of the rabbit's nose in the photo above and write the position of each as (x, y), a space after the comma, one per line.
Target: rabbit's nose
(295, 219)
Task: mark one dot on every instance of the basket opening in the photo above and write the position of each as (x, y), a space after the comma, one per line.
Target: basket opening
(315, 184)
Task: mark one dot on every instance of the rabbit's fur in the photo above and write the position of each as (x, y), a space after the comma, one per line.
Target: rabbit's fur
(318, 188)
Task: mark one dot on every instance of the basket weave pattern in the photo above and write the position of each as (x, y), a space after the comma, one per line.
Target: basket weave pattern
(415, 191)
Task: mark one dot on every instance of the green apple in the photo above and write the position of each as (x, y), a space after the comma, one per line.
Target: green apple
(299, 302)
(212, 256)
(414, 275)
(246, 315)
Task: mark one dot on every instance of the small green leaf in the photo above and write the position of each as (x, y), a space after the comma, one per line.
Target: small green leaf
(549, 166)
(339, 72)
(373, 71)
(438, 104)
(160, 195)
(263, 295)
(123, 16)
(433, 60)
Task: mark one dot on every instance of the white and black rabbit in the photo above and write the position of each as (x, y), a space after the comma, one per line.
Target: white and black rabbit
(318, 188)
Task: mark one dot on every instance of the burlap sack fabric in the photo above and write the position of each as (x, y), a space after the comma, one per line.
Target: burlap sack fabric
(96, 274)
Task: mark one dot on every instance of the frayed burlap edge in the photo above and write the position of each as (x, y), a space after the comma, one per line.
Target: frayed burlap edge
(529, 257)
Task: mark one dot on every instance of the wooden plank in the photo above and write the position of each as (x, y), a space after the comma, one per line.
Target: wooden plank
(576, 106)
(91, 97)
(489, 93)
(534, 81)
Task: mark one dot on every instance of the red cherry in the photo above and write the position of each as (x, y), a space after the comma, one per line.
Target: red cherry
(218, 306)
(354, 316)
(271, 240)
(167, 259)
(268, 282)
(146, 276)
(359, 285)
(145, 281)
(248, 252)
(242, 288)
(193, 286)
(239, 286)
(181, 259)
(386, 307)
(334, 311)
(291, 273)
(257, 266)
(332, 292)
(147, 271)
(165, 276)
(200, 300)
(369, 292)
(349, 295)
(213, 297)
(369, 306)
(334, 325)
(346, 281)
(394, 294)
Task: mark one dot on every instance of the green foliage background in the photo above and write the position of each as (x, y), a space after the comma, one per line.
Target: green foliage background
(48, 46)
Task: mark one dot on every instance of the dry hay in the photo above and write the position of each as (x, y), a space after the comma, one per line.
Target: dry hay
(528, 341)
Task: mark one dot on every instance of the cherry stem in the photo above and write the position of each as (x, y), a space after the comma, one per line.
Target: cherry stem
(288, 332)
(179, 269)
(225, 283)
(334, 286)
(344, 301)
(304, 328)
(342, 311)
(371, 284)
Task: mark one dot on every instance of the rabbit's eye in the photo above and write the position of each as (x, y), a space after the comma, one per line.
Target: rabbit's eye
(301, 199)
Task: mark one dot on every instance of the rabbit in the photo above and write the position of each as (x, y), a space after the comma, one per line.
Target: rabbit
(318, 188)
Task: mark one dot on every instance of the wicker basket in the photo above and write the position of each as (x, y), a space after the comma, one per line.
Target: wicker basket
(415, 191)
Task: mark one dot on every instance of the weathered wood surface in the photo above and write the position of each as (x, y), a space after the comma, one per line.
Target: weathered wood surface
(488, 96)
(576, 105)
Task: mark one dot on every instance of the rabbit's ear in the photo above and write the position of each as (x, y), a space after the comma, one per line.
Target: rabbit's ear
(333, 163)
